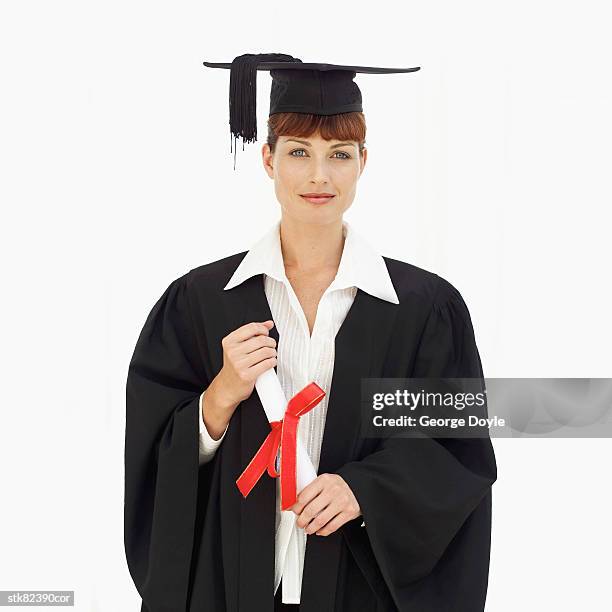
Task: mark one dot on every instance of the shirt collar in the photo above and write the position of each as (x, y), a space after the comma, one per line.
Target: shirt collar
(360, 265)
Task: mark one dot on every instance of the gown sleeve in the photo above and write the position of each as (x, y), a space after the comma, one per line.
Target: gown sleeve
(416, 493)
(164, 382)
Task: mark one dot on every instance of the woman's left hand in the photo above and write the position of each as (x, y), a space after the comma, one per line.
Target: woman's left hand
(325, 505)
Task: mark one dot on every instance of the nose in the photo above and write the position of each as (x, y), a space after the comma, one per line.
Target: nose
(320, 170)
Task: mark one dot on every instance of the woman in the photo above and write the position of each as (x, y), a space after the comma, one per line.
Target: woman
(389, 523)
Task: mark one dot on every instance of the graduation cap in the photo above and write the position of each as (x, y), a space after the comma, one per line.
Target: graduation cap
(297, 87)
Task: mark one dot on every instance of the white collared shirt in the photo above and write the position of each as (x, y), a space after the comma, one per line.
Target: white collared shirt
(302, 358)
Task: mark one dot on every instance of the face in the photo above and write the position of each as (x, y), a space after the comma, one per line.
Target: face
(302, 166)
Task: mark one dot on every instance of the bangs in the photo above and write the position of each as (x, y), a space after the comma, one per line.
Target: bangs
(343, 126)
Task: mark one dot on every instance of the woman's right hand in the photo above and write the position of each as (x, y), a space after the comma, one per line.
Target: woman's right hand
(248, 351)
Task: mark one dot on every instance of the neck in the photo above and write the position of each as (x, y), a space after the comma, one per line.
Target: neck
(310, 247)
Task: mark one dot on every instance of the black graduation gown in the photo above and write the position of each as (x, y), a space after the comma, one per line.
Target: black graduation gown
(193, 543)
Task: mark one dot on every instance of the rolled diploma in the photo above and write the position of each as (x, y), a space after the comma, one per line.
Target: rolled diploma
(274, 403)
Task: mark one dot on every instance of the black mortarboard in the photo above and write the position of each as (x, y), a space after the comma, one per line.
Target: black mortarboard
(297, 87)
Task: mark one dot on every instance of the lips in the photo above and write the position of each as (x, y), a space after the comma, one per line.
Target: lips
(317, 198)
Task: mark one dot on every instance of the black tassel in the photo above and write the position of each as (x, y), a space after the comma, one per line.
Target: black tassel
(243, 94)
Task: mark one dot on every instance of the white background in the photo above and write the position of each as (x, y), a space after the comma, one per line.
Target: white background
(490, 166)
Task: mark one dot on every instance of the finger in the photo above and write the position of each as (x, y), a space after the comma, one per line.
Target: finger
(314, 508)
(254, 343)
(261, 367)
(308, 493)
(333, 525)
(263, 352)
(249, 330)
(324, 517)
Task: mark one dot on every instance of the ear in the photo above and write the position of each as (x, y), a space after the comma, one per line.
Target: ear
(267, 159)
(363, 160)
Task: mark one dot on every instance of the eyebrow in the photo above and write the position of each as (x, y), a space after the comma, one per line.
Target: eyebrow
(308, 144)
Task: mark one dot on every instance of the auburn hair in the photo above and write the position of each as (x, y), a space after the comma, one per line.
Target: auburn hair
(343, 126)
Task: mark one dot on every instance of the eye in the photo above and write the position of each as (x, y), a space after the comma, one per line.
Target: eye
(346, 155)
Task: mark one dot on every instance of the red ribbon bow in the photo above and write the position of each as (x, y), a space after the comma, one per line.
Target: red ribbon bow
(283, 435)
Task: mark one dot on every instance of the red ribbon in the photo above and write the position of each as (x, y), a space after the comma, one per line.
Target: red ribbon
(283, 435)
